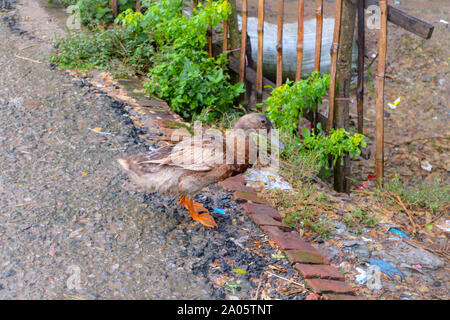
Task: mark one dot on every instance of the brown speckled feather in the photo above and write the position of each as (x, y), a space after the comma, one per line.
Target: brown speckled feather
(197, 161)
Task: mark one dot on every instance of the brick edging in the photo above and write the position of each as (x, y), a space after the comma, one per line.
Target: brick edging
(321, 278)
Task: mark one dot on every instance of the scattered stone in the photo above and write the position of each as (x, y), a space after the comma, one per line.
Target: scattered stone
(426, 77)
(362, 252)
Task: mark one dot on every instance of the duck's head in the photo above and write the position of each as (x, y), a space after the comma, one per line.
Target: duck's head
(254, 121)
(258, 122)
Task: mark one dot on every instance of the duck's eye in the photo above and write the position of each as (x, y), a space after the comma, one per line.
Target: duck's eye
(263, 121)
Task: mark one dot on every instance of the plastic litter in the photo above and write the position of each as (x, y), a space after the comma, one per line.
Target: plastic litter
(290, 45)
(387, 268)
(445, 227)
(395, 103)
(269, 178)
(308, 126)
(361, 278)
(425, 165)
(218, 210)
(443, 21)
(401, 234)
(240, 271)
(369, 277)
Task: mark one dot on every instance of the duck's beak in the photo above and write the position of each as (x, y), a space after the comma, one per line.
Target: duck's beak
(274, 140)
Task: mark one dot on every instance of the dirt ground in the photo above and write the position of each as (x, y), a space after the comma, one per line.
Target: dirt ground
(417, 131)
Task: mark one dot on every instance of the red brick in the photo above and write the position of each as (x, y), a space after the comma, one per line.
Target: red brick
(238, 179)
(272, 231)
(332, 296)
(265, 220)
(324, 286)
(313, 296)
(309, 271)
(292, 241)
(297, 256)
(257, 208)
(233, 185)
(248, 196)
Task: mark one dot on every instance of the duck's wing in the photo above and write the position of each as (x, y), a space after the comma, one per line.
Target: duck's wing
(196, 153)
(142, 163)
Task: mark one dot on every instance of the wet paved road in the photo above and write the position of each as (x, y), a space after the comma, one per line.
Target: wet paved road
(65, 207)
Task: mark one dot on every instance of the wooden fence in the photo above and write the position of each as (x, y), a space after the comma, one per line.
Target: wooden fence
(246, 73)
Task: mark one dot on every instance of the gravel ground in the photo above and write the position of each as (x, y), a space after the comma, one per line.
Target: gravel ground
(71, 225)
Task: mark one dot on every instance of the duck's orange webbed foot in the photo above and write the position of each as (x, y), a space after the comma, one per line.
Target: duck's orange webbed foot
(195, 210)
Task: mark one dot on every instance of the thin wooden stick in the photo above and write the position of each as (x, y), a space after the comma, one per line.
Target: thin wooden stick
(259, 60)
(319, 25)
(243, 41)
(225, 35)
(28, 59)
(210, 35)
(298, 72)
(285, 279)
(379, 153)
(360, 89)
(334, 53)
(115, 7)
(400, 202)
(279, 80)
(138, 5)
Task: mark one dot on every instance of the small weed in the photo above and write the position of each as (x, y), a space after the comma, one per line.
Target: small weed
(231, 286)
(430, 196)
(306, 218)
(358, 218)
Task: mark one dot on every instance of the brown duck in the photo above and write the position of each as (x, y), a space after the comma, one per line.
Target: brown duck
(196, 162)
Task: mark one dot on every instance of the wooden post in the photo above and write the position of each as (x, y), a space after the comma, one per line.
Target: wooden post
(210, 35)
(343, 80)
(138, 5)
(319, 24)
(259, 60)
(404, 20)
(243, 41)
(279, 80)
(225, 36)
(115, 7)
(379, 154)
(360, 89)
(298, 71)
(233, 30)
(334, 53)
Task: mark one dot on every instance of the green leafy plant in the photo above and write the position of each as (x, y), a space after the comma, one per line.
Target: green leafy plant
(164, 44)
(112, 49)
(338, 143)
(289, 101)
(182, 74)
(95, 12)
